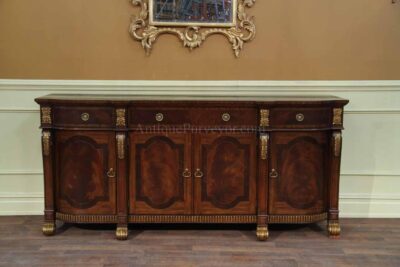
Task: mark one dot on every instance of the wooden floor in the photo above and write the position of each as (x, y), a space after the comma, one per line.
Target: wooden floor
(364, 242)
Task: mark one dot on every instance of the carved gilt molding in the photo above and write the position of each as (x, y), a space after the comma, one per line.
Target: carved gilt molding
(121, 146)
(121, 122)
(337, 116)
(46, 135)
(297, 218)
(192, 219)
(46, 115)
(86, 218)
(193, 36)
(264, 146)
(264, 117)
(337, 136)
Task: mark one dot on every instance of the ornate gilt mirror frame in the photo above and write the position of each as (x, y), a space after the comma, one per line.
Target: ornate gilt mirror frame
(146, 29)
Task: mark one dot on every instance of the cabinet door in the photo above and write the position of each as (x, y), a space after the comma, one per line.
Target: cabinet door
(86, 178)
(224, 173)
(160, 179)
(298, 173)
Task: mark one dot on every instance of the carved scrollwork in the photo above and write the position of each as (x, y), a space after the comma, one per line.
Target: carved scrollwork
(193, 36)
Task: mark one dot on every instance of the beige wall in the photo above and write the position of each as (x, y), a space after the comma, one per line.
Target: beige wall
(296, 40)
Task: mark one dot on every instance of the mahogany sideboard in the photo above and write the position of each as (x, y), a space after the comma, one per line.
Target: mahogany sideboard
(127, 159)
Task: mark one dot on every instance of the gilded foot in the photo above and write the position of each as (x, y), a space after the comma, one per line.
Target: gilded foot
(334, 228)
(122, 233)
(49, 228)
(262, 233)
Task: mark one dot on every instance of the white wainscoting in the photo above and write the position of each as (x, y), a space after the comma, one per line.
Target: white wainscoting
(370, 177)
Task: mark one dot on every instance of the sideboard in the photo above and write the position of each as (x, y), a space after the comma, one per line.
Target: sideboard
(129, 159)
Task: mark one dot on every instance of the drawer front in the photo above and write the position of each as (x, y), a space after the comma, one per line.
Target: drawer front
(300, 117)
(194, 116)
(151, 116)
(101, 117)
(225, 117)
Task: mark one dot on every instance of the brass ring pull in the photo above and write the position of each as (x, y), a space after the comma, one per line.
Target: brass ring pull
(111, 173)
(273, 174)
(300, 117)
(198, 173)
(226, 117)
(186, 173)
(85, 116)
(159, 117)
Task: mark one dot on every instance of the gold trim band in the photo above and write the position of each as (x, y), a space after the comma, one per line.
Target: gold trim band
(297, 219)
(193, 218)
(271, 219)
(86, 218)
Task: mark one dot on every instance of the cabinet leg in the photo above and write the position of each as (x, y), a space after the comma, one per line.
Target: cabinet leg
(334, 228)
(122, 232)
(49, 228)
(262, 232)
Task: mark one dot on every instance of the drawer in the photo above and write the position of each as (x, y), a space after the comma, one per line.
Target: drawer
(101, 117)
(300, 117)
(225, 117)
(172, 116)
(194, 116)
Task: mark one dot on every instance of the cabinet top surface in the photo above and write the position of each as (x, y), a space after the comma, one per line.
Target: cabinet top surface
(124, 99)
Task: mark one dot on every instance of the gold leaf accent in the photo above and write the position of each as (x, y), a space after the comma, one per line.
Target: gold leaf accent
(264, 117)
(122, 233)
(193, 36)
(193, 218)
(120, 117)
(334, 228)
(86, 218)
(121, 145)
(337, 116)
(46, 135)
(49, 228)
(264, 146)
(262, 233)
(297, 218)
(46, 115)
(337, 136)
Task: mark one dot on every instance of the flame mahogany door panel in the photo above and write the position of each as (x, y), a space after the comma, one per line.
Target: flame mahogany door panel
(225, 173)
(160, 178)
(86, 178)
(298, 173)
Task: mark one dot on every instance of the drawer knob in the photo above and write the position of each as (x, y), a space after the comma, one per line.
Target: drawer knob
(159, 117)
(226, 117)
(300, 117)
(85, 116)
